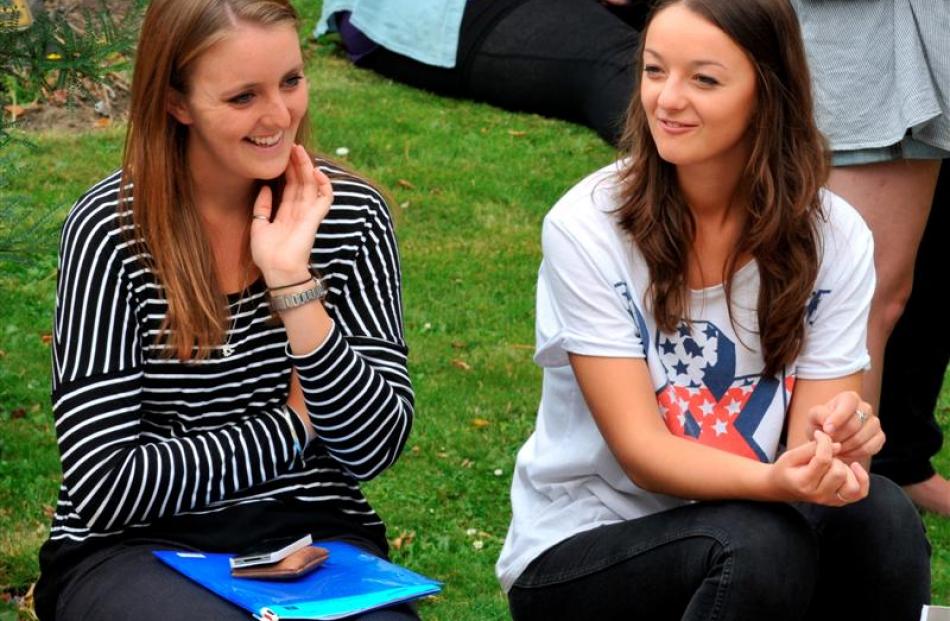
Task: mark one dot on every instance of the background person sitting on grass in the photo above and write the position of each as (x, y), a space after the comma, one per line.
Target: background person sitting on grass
(567, 59)
(187, 415)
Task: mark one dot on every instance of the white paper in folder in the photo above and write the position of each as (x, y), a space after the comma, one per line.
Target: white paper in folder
(935, 613)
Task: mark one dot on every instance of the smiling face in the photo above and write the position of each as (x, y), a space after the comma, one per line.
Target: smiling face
(246, 98)
(698, 90)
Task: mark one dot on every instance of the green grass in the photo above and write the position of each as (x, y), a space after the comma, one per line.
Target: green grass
(470, 185)
(59, 169)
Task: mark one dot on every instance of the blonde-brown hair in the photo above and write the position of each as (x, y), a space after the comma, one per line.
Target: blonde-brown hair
(174, 34)
(785, 172)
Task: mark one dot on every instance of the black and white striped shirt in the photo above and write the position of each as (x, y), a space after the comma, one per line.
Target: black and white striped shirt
(204, 452)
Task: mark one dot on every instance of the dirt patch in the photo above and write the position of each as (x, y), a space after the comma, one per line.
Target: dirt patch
(77, 115)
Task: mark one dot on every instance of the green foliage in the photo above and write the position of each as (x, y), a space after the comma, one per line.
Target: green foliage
(53, 54)
(53, 58)
(24, 233)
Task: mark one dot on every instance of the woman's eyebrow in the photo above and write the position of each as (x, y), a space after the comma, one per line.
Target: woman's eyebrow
(696, 63)
(251, 85)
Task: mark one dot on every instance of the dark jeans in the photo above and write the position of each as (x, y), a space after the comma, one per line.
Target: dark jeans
(739, 560)
(126, 581)
(568, 59)
(916, 357)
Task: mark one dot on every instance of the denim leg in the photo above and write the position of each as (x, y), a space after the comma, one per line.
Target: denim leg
(874, 557)
(713, 561)
(127, 581)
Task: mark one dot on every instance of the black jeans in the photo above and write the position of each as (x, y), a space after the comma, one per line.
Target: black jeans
(916, 357)
(126, 581)
(568, 59)
(739, 560)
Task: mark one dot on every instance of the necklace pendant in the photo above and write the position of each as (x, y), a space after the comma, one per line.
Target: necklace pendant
(226, 350)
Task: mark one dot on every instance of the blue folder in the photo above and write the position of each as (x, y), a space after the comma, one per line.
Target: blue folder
(351, 581)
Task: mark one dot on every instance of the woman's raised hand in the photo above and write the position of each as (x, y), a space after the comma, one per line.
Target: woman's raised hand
(812, 472)
(281, 246)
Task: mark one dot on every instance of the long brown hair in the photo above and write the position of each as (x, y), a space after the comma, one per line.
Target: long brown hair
(785, 172)
(174, 34)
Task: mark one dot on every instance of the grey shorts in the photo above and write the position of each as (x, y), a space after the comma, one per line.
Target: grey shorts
(907, 149)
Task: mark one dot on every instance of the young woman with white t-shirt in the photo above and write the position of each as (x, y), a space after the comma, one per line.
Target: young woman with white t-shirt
(702, 305)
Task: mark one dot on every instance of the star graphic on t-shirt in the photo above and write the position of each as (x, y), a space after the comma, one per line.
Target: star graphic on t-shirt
(692, 348)
(719, 426)
(706, 384)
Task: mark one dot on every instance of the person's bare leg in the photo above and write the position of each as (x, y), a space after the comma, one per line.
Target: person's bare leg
(931, 495)
(894, 198)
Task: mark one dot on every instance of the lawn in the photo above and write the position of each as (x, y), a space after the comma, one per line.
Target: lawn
(469, 186)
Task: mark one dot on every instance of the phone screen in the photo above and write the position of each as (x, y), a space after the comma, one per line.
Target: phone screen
(266, 546)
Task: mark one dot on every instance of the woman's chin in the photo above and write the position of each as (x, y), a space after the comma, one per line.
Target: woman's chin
(670, 154)
(271, 171)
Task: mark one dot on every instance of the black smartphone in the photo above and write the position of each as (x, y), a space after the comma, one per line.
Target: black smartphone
(269, 551)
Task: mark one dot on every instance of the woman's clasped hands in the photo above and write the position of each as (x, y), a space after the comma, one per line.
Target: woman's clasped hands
(848, 420)
(830, 469)
(281, 243)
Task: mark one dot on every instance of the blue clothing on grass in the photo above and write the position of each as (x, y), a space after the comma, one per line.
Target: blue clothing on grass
(424, 30)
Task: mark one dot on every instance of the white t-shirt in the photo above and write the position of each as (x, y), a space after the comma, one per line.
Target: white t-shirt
(707, 377)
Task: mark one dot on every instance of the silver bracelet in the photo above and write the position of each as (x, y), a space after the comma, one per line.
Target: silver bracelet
(281, 303)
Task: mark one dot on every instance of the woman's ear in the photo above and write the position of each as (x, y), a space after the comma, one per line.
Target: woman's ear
(177, 107)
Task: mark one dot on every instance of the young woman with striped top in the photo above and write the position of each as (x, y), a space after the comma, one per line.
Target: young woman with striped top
(228, 355)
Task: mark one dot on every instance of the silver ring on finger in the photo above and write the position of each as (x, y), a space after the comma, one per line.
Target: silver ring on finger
(258, 216)
(862, 416)
(840, 497)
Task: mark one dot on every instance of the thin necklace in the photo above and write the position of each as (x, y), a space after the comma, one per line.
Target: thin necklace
(228, 349)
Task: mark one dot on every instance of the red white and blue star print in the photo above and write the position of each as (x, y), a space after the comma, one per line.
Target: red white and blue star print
(705, 400)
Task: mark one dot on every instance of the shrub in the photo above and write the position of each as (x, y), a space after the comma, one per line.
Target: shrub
(61, 58)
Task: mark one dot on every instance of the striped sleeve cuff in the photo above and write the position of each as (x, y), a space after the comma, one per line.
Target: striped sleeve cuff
(321, 356)
(355, 411)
